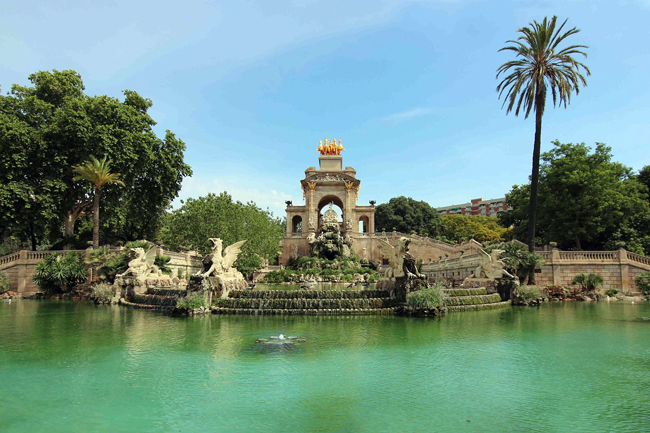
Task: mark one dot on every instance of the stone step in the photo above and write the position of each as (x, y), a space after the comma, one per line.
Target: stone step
(457, 308)
(309, 294)
(465, 292)
(302, 312)
(304, 304)
(472, 300)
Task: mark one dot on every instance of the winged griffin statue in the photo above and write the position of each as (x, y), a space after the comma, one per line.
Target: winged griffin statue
(218, 262)
(400, 260)
(491, 267)
(142, 266)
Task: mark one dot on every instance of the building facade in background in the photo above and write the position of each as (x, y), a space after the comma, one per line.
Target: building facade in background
(477, 206)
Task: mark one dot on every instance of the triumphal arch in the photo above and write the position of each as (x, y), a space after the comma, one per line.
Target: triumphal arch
(329, 185)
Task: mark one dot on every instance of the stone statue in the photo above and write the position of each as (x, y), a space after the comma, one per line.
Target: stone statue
(395, 257)
(491, 267)
(221, 263)
(294, 251)
(330, 147)
(312, 223)
(348, 224)
(402, 263)
(142, 266)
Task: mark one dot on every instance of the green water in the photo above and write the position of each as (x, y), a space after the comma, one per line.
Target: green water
(67, 366)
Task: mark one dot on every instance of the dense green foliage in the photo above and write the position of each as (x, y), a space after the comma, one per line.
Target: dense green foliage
(5, 284)
(585, 201)
(540, 66)
(461, 228)
(589, 282)
(611, 292)
(333, 275)
(430, 298)
(528, 293)
(60, 273)
(51, 126)
(643, 282)
(406, 215)
(343, 269)
(195, 300)
(218, 216)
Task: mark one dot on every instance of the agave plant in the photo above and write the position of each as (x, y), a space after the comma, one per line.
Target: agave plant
(588, 282)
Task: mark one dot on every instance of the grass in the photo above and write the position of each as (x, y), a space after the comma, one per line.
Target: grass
(193, 301)
(426, 298)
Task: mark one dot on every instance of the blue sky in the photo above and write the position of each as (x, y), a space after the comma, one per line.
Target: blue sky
(409, 86)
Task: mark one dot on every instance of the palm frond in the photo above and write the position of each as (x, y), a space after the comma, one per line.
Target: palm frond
(540, 67)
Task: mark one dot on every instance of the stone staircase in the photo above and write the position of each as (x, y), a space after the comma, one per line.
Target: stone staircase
(472, 299)
(305, 302)
(155, 299)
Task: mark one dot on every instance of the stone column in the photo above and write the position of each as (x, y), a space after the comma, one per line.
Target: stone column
(22, 270)
(555, 267)
(624, 269)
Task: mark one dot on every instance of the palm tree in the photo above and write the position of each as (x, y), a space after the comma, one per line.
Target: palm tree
(540, 66)
(99, 173)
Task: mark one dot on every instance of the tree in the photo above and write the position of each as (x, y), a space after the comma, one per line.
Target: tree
(585, 200)
(99, 174)
(218, 216)
(540, 66)
(461, 228)
(407, 215)
(50, 126)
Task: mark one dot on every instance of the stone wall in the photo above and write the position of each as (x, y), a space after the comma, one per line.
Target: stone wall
(618, 269)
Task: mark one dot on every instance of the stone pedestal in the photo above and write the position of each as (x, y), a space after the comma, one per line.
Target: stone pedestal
(331, 162)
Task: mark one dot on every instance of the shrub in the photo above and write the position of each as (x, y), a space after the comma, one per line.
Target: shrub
(528, 293)
(103, 292)
(643, 283)
(5, 284)
(426, 298)
(588, 282)
(163, 264)
(59, 274)
(196, 300)
(611, 292)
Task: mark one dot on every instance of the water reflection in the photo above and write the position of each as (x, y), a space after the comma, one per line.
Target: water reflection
(146, 371)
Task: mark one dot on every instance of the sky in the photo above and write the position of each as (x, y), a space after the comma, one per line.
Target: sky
(408, 86)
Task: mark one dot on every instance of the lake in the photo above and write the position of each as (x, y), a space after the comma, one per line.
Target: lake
(574, 366)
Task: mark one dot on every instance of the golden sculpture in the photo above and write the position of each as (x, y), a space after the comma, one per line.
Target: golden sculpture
(330, 147)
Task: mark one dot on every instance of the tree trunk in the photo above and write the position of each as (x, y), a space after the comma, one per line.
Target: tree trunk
(534, 181)
(578, 244)
(98, 193)
(71, 219)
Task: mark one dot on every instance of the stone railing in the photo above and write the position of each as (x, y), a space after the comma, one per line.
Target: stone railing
(605, 256)
(638, 258)
(619, 269)
(9, 258)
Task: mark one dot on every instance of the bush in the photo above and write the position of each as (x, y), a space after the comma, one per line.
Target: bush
(103, 292)
(59, 274)
(588, 282)
(163, 264)
(426, 298)
(5, 284)
(643, 283)
(528, 293)
(611, 292)
(196, 300)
